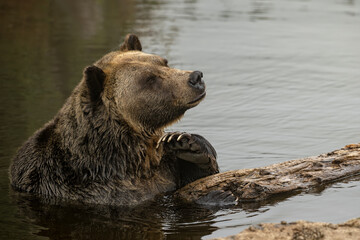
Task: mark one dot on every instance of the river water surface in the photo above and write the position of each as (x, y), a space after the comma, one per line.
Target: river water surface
(283, 80)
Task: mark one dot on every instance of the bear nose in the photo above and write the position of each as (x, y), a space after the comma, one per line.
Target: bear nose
(196, 81)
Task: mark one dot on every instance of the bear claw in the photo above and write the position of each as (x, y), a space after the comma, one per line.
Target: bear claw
(167, 137)
(184, 134)
(172, 135)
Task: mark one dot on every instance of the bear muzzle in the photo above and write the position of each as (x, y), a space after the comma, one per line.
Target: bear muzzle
(198, 99)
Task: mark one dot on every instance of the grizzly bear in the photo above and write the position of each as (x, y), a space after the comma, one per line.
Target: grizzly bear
(107, 144)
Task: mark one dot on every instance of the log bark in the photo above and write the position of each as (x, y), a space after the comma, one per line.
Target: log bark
(257, 184)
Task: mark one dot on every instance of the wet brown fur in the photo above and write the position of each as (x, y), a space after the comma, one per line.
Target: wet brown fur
(101, 145)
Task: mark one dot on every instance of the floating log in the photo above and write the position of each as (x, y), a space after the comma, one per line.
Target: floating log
(257, 184)
(300, 230)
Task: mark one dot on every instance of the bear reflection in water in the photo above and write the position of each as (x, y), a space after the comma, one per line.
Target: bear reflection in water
(161, 218)
(107, 144)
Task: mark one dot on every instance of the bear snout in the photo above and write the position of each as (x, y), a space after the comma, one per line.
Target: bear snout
(196, 81)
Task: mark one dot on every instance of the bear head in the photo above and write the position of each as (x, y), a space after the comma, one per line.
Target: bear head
(142, 89)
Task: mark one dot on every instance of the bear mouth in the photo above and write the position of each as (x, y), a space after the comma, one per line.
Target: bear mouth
(198, 99)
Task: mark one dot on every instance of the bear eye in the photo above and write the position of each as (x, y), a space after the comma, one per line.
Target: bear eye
(166, 62)
(151, 79)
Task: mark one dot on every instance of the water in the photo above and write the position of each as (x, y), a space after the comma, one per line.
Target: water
(283, 79)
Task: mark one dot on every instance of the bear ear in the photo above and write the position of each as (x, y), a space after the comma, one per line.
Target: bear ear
(94, 78)
(131, 43)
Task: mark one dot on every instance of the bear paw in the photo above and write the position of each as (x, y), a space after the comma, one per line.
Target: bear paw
(191, 148)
